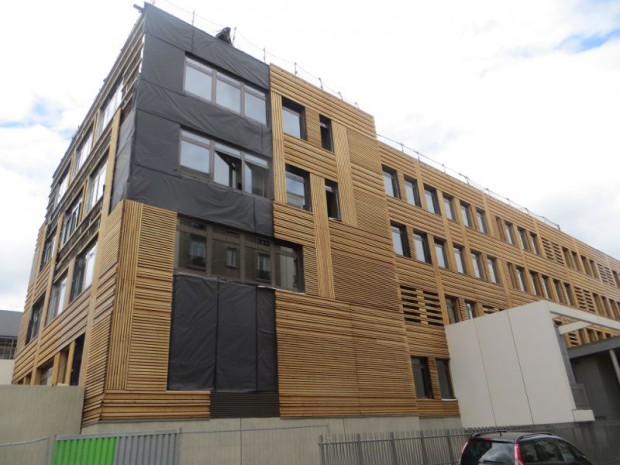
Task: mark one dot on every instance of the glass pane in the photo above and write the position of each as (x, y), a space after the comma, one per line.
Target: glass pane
(227, 170)
(255, 108)
(226, 259)
(257, 265)
(198, 83)
(465, 215)
(420, 247)
(458, 255)
(228, 95)
(291, 122)
(397, 240)
(389, 184)
(431, 200)
(195, 157)
(413, 197)
(287, 272)
(255, 179)
(89, 266)
(475, 261)
(441, 257)
(295, 190)
(192, 251)
(448, 205)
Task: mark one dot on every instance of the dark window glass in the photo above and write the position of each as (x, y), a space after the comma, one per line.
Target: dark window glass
(57, 300)
(445, 380)
(48, 249)
(422, 251)
(535, 247)
(192, 251)
(510, 235)
(35, 321)
(559, 290)
(459, 259)
(256, 176)
(226, 259)
(413, 194)
(448, 203)
(326, 133)
(297, 192)
(293, 119)
(288, 269)
(198, 79)
(492, 270)
(195, 152)
(422, 378)
(74, 378)
(470, 308)
(7, 348)
(70, 222)
(452, 307)
(432, 204)
(535, 283)
(227, 170)
(520, 274)
(523, 240)
(331, 197)
(258, 264)
(440, 252)
(476, 265)
(482, 221)
(83, 271)
(480, 451)
(399, 240)
(228, 93)
(390, 182)
(466, 214)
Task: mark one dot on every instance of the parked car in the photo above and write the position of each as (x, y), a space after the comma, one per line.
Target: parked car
(520, 448)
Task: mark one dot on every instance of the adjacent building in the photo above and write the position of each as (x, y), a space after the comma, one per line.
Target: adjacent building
(9, 328)
(224, 239)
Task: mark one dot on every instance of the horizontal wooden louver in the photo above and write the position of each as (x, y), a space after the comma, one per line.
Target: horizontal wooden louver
(552, 251)
(605, 274)
(421, 307)
(584, 300)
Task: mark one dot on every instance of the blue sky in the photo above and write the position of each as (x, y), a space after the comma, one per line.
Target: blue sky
(522, 97)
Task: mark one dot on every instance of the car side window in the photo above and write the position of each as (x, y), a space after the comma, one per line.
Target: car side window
(541, 451)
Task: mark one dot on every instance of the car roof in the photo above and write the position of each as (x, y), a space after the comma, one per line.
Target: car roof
(510, 436)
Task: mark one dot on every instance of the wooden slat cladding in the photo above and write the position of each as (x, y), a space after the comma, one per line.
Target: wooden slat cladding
(339, 359)
(155, 405)
(285, 83)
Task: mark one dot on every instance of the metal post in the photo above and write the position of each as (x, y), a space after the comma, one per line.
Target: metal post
(423, 448)
(49, 453)
(393, 449)
(450, 451)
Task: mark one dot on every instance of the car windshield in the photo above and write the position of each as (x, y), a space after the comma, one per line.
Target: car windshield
(487, 451)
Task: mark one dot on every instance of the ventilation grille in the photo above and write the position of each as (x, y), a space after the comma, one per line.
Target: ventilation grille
(584, 300)
(421, 307)
(605, 274)
(552, 251)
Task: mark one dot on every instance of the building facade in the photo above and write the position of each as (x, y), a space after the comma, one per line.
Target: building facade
(224, 239)
(9, 328)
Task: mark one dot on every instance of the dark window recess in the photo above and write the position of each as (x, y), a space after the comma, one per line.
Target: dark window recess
(422, 251)
(445, 380)
(76, 366)
(452, 307)
(413, 194)
(48, 248)
(297, 188)
(7, 348)
(327, 140)
(35, 320)
(421, 378)
(293, 120)
(390, 182)
(399, 240)
(331, 197)
(432, 202)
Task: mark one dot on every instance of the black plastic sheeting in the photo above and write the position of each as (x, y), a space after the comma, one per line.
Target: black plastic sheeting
(222, 337)
(182, 35)
(123, 159)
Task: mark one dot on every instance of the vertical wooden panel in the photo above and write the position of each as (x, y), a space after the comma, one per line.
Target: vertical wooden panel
(345, 177)
(321, 237)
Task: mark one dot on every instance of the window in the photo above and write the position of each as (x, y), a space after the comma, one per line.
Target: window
(45, 375)
(206, 159)
(70, 222)
(535, 246)
(83, 271)
(62, 188)
(96, 186)
(520, 279)
(569, 293)
(559, 290)
(432, 204)
(48, 248)
(83, 151)
(448, 203)
(452, 308)
(616, 277)
(536, 283)
(482, 221)
(390, 182)
(35, 320)
(293, 119)
(466, 214)
(440, 252)
(57, 300)
(546, 288)
(215, 86)
(459, 258)
(422, 378)
(492, 270)
(413, 194)
(297, 188)
(586, 266)
(399, 240)
(567, 257)
(7, 348)
(523, 240)
(470, 308)
(593, 268)
(445, 380)
(215, 251)
(107, 112)
(510, 235)
(331, 197)
(476, 264)
(422, 251)
(327, 141)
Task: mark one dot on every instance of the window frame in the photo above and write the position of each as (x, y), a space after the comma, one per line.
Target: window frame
(71, 221)
(465, 210)
(400, 231)
(331, 190)
(476, 263)
(459, 258)
(58, 299)
(492, 270)
(411, 185)
(445, 382)
(34, 323)
(422, 247)
(298, 175)
(432, 200)
(390, 182)
(421, 377)
(83, 271)
(452, 309)
(299, 113)
(481, 220)
(327, 137)
(448, 203)
(440, 245)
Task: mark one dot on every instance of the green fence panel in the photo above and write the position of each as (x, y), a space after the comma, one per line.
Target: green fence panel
(92, 451)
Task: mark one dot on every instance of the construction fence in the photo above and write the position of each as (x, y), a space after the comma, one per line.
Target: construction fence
(600, 441)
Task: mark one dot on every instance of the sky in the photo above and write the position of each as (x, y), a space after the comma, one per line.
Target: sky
(521, 97)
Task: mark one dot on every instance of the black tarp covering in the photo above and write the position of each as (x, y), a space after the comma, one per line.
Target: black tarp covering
(123, 159)
(222, 337)
(182, 35)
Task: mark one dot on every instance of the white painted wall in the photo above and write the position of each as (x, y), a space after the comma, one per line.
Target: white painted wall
(507, 369)
(6, 371)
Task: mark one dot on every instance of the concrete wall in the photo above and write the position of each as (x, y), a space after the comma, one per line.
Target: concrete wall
(597, 374)
(6, 371)
(31, 414)
(268, 441)
(507, 369)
